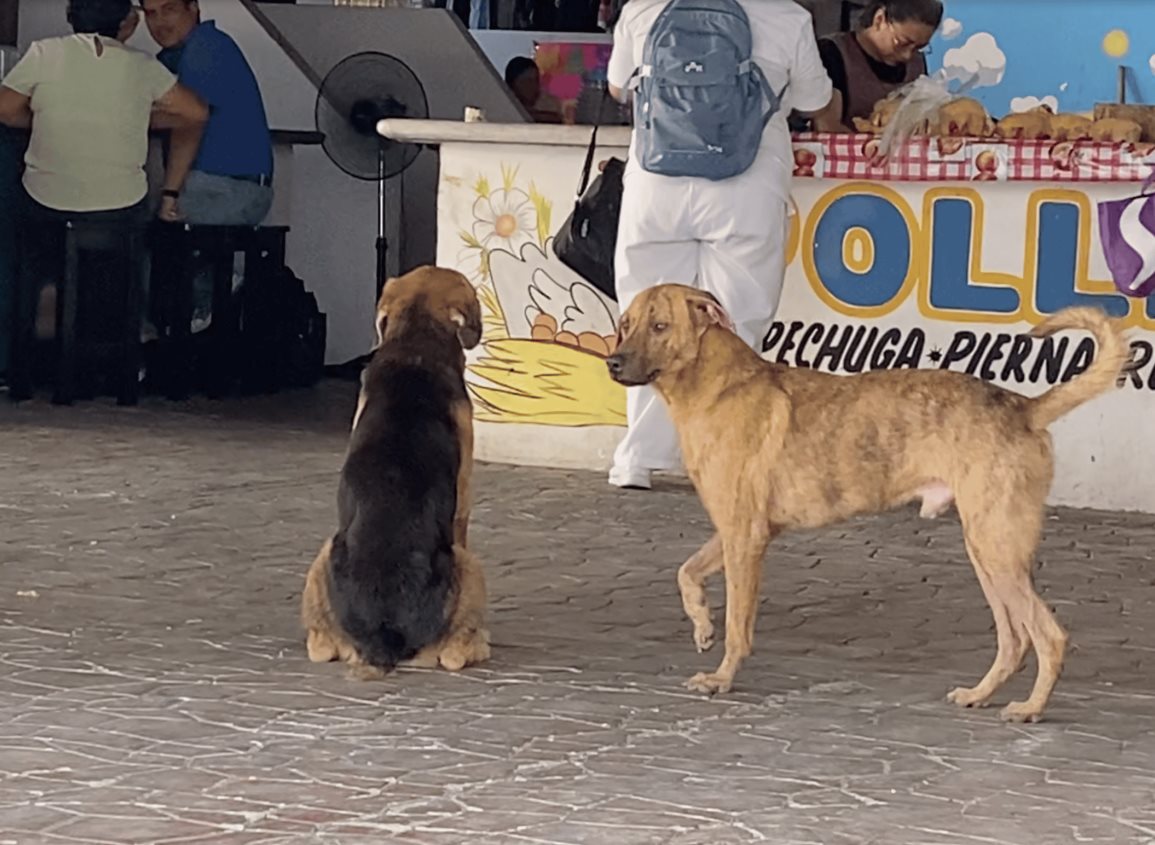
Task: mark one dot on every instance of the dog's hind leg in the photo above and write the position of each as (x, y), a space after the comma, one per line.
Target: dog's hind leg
(692, 582)
(1049, 640)
(321, 643)
(468, 640)
(1013, 643)
(1002, 537)
(743, 547)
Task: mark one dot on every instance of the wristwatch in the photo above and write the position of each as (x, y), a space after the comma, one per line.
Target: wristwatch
(169, 193)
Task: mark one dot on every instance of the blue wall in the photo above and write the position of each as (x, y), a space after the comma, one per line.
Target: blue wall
(1047, 48)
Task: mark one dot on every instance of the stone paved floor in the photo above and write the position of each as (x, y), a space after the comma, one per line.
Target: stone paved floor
(153, 686)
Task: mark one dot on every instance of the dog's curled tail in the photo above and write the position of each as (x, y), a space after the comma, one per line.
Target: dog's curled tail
(1111, 359)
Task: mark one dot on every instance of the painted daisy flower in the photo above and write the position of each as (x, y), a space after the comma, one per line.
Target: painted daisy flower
(505, 219)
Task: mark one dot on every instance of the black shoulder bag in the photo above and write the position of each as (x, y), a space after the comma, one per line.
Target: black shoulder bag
(586, 241)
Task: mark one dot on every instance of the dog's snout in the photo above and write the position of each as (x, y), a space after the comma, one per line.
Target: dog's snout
(614, 363)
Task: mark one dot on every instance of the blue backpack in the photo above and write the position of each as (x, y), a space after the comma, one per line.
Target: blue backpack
(698, 96)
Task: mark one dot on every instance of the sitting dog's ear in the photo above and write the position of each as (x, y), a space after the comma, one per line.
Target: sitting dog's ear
(384, 306)
(467, 318)
(706, 311)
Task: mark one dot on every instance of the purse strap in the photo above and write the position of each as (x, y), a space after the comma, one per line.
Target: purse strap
(1147, 189)
(588, 166)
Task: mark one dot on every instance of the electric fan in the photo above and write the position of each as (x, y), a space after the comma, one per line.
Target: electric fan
(359, 91)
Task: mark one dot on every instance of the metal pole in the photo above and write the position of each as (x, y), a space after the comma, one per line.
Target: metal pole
(382, 245)
(1121, 94)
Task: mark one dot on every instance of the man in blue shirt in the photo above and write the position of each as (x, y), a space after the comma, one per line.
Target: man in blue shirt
(231, 179)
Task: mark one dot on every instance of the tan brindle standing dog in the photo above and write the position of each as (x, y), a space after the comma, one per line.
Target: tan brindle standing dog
(771, 448)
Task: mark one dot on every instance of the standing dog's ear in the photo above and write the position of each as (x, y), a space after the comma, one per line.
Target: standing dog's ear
(467, 318)
(706, 311)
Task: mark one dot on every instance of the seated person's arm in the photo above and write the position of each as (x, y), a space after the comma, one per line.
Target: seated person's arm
(811, 93)
(182, 111)
(829, 119)
(16, 92)
(15, 110)
(178, 107)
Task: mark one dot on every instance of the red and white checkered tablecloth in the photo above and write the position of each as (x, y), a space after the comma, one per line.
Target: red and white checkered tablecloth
(823, 156)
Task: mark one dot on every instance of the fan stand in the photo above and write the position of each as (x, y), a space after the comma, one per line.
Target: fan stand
(382, 242)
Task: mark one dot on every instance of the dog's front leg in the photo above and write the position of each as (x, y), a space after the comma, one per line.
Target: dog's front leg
(692, 582)
(463, 418)
(464, 508)
(742, 550)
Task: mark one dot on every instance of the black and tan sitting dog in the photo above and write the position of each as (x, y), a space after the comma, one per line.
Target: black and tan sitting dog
(396, 584)
(771, 448)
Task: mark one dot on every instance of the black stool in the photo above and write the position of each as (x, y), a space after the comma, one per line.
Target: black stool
(123, 239)
(180, 251)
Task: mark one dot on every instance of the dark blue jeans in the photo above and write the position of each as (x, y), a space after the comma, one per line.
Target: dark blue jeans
(13, 143)
(214, 200)
(41, 231)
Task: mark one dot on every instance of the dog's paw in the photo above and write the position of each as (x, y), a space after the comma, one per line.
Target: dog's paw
(453, 660)
(704, 637)
(967, 697)
(320, 648)
(424, 659)
(468, 653)
(709, 683)
(1021, 711)
(481, 650)
(365, 672)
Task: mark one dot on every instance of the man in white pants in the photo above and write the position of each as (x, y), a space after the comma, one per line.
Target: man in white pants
(725, 236)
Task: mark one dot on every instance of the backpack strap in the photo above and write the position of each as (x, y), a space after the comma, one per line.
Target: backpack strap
(650, 46)
(751, 66)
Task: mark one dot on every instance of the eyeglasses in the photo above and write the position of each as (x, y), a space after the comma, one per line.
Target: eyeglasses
(904, 44)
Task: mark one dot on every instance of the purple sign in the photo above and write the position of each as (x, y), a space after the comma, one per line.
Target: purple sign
(1127, 232)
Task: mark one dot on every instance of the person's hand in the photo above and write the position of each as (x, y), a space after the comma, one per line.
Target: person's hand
(169, 210)
(128, 26)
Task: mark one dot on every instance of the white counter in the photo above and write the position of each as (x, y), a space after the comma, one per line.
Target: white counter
(947, 272)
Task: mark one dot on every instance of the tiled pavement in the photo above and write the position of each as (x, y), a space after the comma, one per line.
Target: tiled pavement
(153, 685)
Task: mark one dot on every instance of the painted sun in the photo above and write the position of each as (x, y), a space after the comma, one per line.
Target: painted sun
(1116, 43)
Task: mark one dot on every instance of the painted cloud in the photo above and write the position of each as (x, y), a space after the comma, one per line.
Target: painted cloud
(979, 61)
(951, 29)
(1021, 104)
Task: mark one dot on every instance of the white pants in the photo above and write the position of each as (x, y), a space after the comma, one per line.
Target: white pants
(725, 237)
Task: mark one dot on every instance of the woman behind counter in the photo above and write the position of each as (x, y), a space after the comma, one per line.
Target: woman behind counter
(524, 80)
(883, 54)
